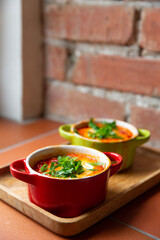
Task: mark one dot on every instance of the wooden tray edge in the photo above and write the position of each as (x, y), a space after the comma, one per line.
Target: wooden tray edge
(73, 226)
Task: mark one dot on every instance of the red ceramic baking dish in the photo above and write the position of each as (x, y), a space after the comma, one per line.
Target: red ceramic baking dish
(66, 197)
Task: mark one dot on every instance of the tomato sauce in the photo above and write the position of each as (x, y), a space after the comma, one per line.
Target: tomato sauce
(122, 132)
(89, 165)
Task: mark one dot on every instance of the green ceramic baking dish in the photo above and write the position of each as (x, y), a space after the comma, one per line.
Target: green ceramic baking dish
(126, 149)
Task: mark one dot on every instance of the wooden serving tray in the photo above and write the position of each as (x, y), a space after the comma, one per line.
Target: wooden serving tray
(123, 187)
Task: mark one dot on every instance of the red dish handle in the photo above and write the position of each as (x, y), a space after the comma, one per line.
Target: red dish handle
(15, 168)
(116, 158)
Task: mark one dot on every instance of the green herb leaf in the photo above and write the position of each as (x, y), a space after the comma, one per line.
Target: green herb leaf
(70, 167)
(73, 176)
(92, 124)
(44, 168)
(92, 169)
(106, 131)
(75, 130)
(96, 163)
(52, 165)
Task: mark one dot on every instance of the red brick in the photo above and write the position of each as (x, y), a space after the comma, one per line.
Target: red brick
(150, 32)
(55, 62)
(106, 24)
(67, 102)
(147, 119)
(119, 73)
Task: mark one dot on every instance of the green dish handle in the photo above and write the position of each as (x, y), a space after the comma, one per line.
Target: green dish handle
(64, 131)
(143, 137)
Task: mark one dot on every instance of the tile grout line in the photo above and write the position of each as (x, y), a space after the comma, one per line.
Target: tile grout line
(29, 140)
(48, 134)
(134, 228)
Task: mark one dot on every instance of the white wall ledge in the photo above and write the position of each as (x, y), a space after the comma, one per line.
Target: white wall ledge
(21, 78)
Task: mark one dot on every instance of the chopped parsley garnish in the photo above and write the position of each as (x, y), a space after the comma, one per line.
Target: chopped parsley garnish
(75, 130)
(92, 169)
(68, 167)
(96, 163)
(105, 131)
(44, 167)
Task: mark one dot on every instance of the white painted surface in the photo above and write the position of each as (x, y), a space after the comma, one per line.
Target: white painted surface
(11, 59)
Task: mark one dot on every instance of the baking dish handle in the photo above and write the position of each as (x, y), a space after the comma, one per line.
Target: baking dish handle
(143, 137)
(64, 131)
(16, 170)
(114, 166)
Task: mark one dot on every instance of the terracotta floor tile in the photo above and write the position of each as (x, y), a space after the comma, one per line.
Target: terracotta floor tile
(143, 213)
(111, 230)
(13, 132)
(25, 149)
(16, 226)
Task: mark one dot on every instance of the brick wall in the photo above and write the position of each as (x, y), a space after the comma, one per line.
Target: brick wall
(102, 59)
